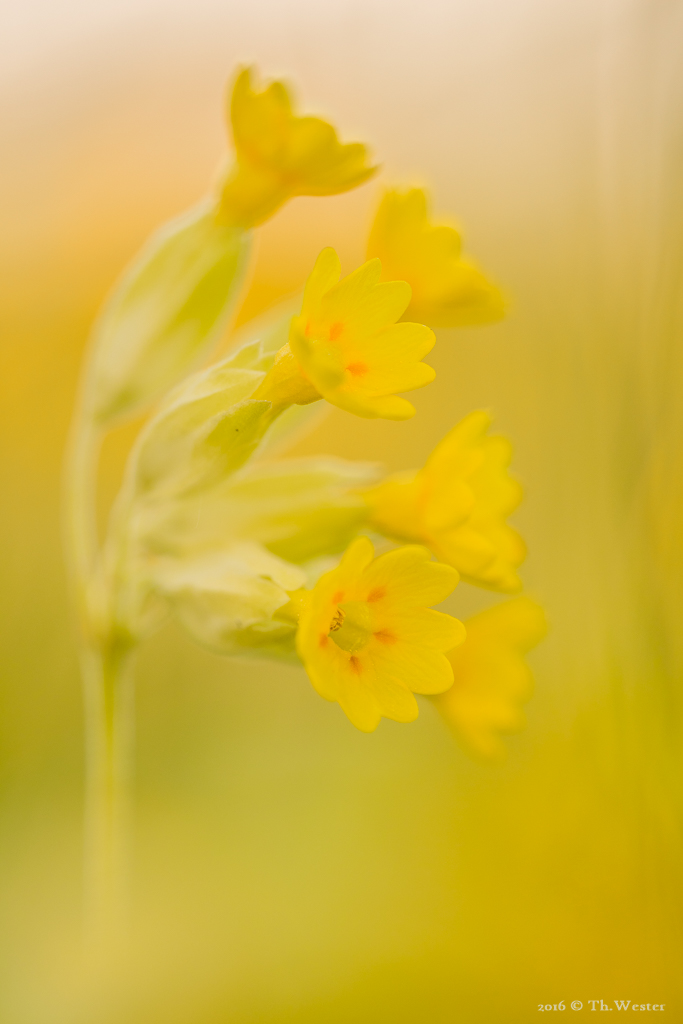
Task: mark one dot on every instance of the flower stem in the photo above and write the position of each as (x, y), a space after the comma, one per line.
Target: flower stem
(106, 664)
(80, 515)
(109, 723)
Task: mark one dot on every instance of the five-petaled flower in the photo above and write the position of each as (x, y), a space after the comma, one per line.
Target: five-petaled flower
(448, 289)
(279, 155)
(457, 505)
(492, 679)
(368, 637)
(348, 345)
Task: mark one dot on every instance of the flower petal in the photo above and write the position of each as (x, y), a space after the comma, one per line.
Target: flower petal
(418, 668)
(325, 274)
(492, 680)
(423, 627)
(362, 306)
(408, 577)
(448, 291)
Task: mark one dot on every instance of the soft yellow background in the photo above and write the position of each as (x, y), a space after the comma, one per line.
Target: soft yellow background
(288, 868)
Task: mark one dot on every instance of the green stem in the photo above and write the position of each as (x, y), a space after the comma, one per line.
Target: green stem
(80, 517)
(109, 706)
(107, 662)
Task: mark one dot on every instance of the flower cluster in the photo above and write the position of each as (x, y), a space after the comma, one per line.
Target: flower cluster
(273, 558)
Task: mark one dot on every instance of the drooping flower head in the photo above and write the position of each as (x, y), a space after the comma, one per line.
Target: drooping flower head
(448, 289)
(280, 155)
(368, 638)
(349, 346)
(457, 505)
(491, 678)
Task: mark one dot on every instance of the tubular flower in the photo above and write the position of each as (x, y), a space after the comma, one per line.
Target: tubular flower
(448, 290)
(280, 155)
(492, 679)
(348, 345)
(368, 638)
(457, 505)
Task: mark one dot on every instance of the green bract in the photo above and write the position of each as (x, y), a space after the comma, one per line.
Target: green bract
(166, 315)
(204, 431)
(227, 598)
(204, 527)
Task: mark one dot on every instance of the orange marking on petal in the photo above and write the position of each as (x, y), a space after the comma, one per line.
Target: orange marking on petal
(335, 331)
(385, 636)
(339, 596)
(377, 594)
(307, 329)
(357, 369)
(322, 640)
(355, 665)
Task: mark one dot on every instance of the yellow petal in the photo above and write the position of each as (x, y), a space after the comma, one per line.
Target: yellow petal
(357, 558)
(390, 361)
(359, 703)
(423, 627)
(467, 548)
(328, 669)
(389, 407)
(468, 300)
(260, 121)
(491, 678)
(366, 639)
(362, 306)
(448, 291)
(349, 349)
(394, 506)
(419, 669)
(457, 505)
(404, 342)
(453, 454)
(409, 578)
(325, 274)
(394, 699)
(280, 155)
(451, 503)
(311, 147)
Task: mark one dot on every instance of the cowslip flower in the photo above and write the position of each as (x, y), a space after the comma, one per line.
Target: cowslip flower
(448, 289)
(280, 155)
(491, 678)
(345, 345)
(368, 637)
(457, 505)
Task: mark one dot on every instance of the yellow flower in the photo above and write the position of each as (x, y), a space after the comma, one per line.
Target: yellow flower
(349, 346)
(448, 290)
(492, 679)
(368, 639)
(457, 505)
(280, 155)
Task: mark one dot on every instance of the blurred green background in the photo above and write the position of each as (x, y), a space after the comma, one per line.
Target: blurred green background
(288, 868)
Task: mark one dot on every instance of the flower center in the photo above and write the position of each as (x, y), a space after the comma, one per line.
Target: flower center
(350, 627)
